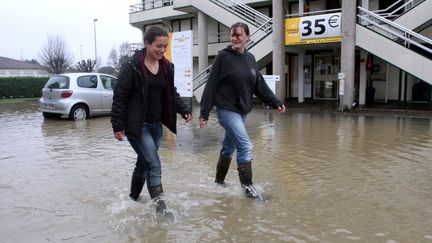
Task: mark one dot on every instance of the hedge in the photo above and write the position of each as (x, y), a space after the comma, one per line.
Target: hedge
(21, 87)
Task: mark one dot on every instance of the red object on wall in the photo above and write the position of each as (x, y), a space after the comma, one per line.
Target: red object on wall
(369, 62)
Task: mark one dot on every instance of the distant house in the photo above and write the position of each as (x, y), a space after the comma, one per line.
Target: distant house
(15, 68)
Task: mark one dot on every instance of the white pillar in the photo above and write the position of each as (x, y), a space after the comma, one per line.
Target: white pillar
(363, 78)
(365, 4)
(300, 64)
(301, 6)
(202, 41)
(278, 57)
(348, 50)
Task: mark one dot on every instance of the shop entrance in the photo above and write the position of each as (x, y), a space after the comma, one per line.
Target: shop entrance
(326, 85)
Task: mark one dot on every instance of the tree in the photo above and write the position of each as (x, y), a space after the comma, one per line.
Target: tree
(86, 66)
(108, 70)
(116, 59)
(33, 61)
(124, 49)
(125, 53)
(113, 58)
(55, 55)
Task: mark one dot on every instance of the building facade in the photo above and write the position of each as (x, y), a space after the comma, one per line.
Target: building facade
(15, 68)
(364, 51)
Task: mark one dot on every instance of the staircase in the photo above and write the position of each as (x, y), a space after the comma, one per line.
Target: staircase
(408, 13)
(229, 12)
(395, 44)
(379, 33)
(416, 16)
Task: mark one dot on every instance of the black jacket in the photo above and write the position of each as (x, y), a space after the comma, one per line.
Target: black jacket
(234, 79)
(129, 101)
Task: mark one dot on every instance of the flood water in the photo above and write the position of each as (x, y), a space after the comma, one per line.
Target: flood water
(332, 178)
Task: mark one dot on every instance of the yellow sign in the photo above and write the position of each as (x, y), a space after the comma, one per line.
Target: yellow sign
(313, 29)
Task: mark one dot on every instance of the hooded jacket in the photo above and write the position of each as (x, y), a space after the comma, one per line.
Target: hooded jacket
(233, 80)
(130, 93)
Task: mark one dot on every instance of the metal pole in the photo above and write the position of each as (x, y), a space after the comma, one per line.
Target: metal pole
(94, 29)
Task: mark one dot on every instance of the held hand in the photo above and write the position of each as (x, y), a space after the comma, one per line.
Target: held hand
(119, 135)
(281, 108)
(187, 117)
(202, 122)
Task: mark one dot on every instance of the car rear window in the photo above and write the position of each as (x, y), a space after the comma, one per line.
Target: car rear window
(87, 81)
(58, 82)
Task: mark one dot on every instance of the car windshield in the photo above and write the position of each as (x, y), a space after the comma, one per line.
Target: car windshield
(58, 82)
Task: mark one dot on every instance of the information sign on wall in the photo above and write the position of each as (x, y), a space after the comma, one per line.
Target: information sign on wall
(313, 29)
(271, 81)
(179, 52)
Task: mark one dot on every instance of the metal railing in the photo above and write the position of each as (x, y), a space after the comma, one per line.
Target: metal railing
(243, 11)
(149, 4)
(214, 37)
(326, 11)
(262, 32)
(135, 46)
(201, 78)
(262, 22)
(368, 19)
(395, 9)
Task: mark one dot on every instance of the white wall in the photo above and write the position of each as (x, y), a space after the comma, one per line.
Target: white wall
(393, 83)
(23, 73)
(212, 28)
(427, 32)
(373, 5)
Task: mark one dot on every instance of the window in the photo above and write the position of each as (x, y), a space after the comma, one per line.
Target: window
(326, 84)
(58, 82)
(87, 81)
(108, 82)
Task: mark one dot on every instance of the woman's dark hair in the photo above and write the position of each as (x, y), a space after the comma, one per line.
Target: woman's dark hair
(152, 32)
(240, 25)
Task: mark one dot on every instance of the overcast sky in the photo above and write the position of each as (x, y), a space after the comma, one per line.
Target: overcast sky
(26, 24)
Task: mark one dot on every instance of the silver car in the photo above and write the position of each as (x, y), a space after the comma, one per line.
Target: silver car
(77, 95)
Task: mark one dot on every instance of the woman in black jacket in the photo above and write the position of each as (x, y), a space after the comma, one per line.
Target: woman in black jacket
(145, 98)
(233, 80)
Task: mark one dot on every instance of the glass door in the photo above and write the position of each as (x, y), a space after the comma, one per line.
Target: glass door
(326, 84)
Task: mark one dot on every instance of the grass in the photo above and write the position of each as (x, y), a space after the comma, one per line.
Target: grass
(17, 100)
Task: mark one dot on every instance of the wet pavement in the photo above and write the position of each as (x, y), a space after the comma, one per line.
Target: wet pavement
(332, 177)
(388, 109)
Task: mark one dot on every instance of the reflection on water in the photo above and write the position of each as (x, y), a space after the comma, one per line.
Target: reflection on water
(333, 178)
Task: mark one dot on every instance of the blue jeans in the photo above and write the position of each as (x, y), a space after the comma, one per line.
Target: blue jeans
(148, 165)
(236, 136)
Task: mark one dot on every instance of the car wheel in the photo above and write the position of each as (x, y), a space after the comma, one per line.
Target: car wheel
(47, 115)
(78, 112)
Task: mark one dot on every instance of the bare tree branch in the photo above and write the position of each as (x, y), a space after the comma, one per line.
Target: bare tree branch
(113, 58)
(117, 58)
(125, 49)
(55, 55)
(86, 66)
